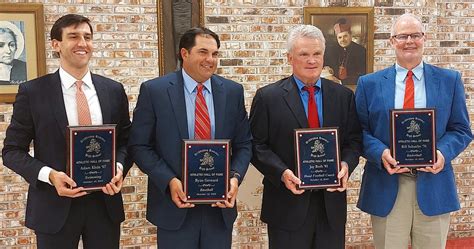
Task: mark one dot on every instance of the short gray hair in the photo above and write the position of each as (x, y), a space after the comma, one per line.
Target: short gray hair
(304, 30)
(406, 16)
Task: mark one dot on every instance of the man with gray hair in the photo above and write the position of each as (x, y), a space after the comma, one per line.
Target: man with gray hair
(411, 203)
(297, 218)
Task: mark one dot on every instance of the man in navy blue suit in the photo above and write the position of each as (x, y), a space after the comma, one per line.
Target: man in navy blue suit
(44, 107)
(164, 116)
(407, 203)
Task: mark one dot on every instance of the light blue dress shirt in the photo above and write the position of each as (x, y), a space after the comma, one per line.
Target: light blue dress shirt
(305, 95)
(419, 82)
(190, 92)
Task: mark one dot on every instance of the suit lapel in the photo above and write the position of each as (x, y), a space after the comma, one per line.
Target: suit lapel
(329, 101)
(293, 100)
(104, 100)
(387, 88)
(176, 94)
(432, 85)
(218, 96)
(56, 101)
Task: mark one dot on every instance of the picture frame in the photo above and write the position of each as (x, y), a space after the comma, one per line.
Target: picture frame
(26, 21)
(173, 20)
(349, 34)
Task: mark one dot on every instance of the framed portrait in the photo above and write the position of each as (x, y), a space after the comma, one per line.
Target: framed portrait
(175, 18)
(22, 50)
(349, 34)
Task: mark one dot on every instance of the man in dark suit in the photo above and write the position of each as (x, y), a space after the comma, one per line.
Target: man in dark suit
(164, 116)
(410, 204)
(59, 213)
(346, 59)
(297, 218)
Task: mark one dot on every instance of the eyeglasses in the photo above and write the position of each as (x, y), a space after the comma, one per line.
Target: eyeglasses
(404, 37)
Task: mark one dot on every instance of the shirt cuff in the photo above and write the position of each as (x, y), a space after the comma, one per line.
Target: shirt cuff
(43, 175)
(119, 166)
(343, 163)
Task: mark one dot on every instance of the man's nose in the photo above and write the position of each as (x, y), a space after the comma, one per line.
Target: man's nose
(82, 41)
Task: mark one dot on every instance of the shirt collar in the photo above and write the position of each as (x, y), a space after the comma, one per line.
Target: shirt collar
(67, 80)
(190, 84)
(417, 71)
(300, 83)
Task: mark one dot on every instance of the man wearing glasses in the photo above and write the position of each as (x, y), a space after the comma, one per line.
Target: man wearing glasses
(412, 204)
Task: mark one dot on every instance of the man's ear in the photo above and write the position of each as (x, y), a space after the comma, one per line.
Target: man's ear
(184, 53)
(55, 45)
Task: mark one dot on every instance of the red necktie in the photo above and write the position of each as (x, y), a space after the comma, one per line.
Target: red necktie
(409, 100)
(313, 118)
(83, 112)
(202, 123)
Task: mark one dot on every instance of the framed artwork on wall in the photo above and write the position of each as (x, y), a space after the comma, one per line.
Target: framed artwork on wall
(349, 34)
(22, 49)
(174, 18)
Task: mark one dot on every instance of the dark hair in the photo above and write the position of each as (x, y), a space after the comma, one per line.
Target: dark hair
(66, 21)
(188, 40)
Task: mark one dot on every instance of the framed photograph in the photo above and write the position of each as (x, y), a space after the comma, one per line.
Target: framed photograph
(22, 49)
(349, 34)
(175, 18)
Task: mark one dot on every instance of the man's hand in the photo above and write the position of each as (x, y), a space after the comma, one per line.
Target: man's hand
(177, 194)
(65, 185)
(231, 195)
(437, 167)
(115, 185)
(390, 164)
(291, 182)
(343, 175)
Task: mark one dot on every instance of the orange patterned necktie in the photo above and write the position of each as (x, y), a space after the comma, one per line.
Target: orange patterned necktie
(409, 100)
(202, 123)
(83, 113)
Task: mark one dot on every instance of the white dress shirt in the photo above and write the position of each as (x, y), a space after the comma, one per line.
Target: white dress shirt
(68, 87)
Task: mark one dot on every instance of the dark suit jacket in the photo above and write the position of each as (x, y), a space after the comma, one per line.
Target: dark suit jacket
(436, 193)
(276, 111)
(39, 114)
(159, 127)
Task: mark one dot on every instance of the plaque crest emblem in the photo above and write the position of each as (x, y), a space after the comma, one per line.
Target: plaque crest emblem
(93, 146)
(413, 128)
(207, 160)
(317, 148)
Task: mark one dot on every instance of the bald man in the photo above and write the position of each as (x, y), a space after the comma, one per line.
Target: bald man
(410, 204)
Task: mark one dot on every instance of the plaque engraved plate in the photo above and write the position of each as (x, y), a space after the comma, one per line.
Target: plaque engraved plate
(412, 137)
(317, 158)
(91, 155)
(206, 170)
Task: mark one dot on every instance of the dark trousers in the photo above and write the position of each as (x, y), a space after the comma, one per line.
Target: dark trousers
(203, 228)
(315, 233)
(88, 218)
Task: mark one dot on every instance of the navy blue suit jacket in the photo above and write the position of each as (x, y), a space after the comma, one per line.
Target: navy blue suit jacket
(375, 96)
(159, 127)
(39, 115)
